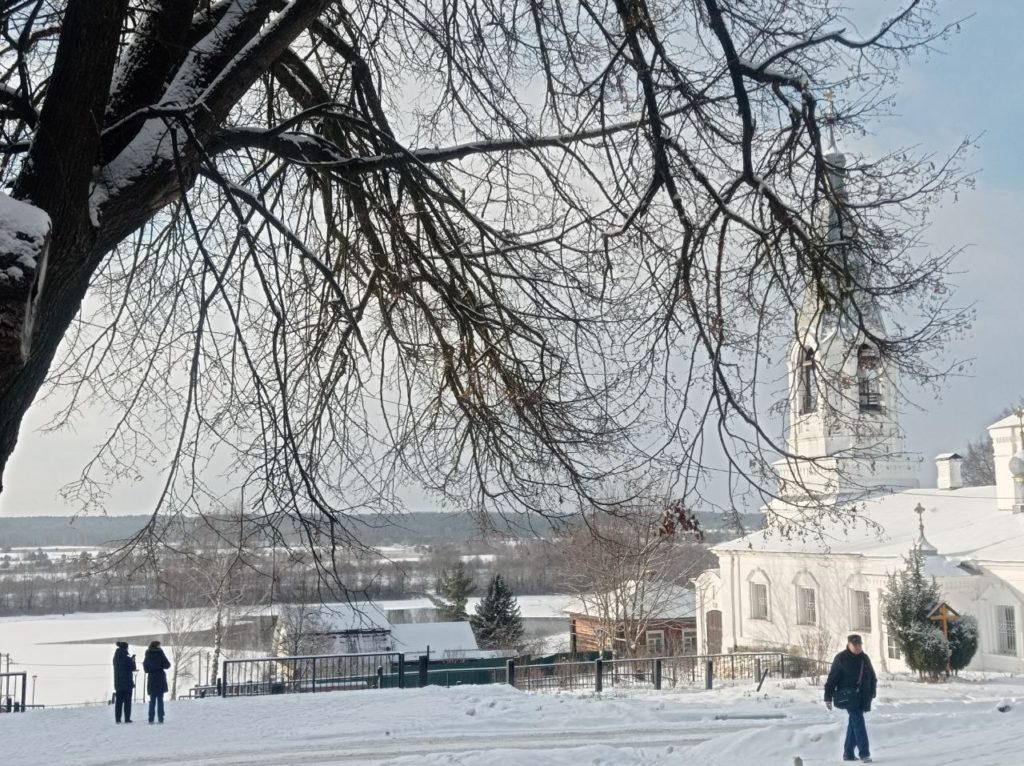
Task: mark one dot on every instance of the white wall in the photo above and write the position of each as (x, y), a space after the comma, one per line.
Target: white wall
(834, 577)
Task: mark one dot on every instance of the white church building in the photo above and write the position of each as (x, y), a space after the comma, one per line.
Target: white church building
(776, 588)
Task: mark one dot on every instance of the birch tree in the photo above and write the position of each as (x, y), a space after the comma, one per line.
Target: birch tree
(502, 253)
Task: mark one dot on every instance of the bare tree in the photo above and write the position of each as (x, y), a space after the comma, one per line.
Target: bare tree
(186, 627)
(628, 570)
(506, 253)
(221, 569)
(817, 643)
(301, 630)
(979, 464)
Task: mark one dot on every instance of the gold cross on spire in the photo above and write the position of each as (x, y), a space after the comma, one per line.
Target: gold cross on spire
(830, 95)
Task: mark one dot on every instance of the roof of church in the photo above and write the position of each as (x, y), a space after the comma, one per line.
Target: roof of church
(962, 524)
(1007, 422)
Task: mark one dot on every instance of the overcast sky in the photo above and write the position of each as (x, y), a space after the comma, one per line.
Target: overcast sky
(973, 89)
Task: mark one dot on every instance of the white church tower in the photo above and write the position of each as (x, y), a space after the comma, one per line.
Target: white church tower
(843, 431)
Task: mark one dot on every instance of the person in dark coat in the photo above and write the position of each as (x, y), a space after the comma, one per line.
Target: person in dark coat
(155, 664)
(853, 678)
(124, 682)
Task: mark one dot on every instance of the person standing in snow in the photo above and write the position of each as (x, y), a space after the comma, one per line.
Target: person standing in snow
(155, 663)
(124, 682)
(851, 687)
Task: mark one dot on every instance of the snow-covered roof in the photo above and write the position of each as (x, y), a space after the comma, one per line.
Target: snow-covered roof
(1009, 421)
(962, 524)
(443, 638)
(360, 616)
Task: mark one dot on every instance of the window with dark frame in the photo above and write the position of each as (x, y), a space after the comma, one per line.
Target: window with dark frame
(656, 642)
(860, 610)
(892, 647)
(1006, 630)
(806, 606)
(758, 601)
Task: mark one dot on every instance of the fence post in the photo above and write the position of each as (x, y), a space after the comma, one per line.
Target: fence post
(510, 672)
(598, 671)
(782, 666)
(312, 687)
(709, 673)
(657, 674)
(424, 659)
(380, 676)
(757, 667)
(401, 670)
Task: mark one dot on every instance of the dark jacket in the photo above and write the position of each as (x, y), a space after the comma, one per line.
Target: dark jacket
(155, 663)
(845, 672)
(124, 669)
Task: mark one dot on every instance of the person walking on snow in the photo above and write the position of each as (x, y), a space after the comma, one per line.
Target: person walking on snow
(851, 687)
(155, 664)
(124, 682)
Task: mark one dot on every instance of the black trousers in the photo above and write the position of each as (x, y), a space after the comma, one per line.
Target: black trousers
(123, 701)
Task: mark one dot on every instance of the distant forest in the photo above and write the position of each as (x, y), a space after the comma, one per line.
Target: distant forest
(420, 528)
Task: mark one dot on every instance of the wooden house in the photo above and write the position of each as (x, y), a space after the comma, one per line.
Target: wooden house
(636, 621)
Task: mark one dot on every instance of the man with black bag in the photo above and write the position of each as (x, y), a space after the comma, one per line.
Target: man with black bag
(851, 687)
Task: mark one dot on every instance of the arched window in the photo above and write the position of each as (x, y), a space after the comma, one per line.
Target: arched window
(867, 378)
(808, 382)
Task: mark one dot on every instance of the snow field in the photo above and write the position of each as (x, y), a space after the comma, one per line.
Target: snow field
(913, 723)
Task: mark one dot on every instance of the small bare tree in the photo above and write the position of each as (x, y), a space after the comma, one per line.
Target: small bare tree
(300, 628)
(630, 568)
(817, 644)
(224, 574)
(185, 626)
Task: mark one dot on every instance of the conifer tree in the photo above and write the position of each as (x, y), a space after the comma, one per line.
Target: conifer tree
(455, 589)
(963, 641)
(497, 623)
(909, 599)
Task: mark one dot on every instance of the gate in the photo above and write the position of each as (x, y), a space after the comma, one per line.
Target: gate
(12, 692)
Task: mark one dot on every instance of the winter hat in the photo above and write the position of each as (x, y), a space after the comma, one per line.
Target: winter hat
(122, 644)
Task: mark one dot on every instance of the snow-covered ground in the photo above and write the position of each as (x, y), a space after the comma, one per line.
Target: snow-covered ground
(955, 723)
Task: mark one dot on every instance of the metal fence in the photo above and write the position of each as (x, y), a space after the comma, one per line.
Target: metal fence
(13, 688)
(289, 675)
(697, 671)
(312, 673)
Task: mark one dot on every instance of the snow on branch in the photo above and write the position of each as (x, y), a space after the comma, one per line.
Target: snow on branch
(24, 237)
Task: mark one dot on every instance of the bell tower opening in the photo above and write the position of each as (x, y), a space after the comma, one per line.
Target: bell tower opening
(808, 382)
(868, 388)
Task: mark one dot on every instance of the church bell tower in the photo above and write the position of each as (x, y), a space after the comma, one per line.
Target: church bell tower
(843, 431)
